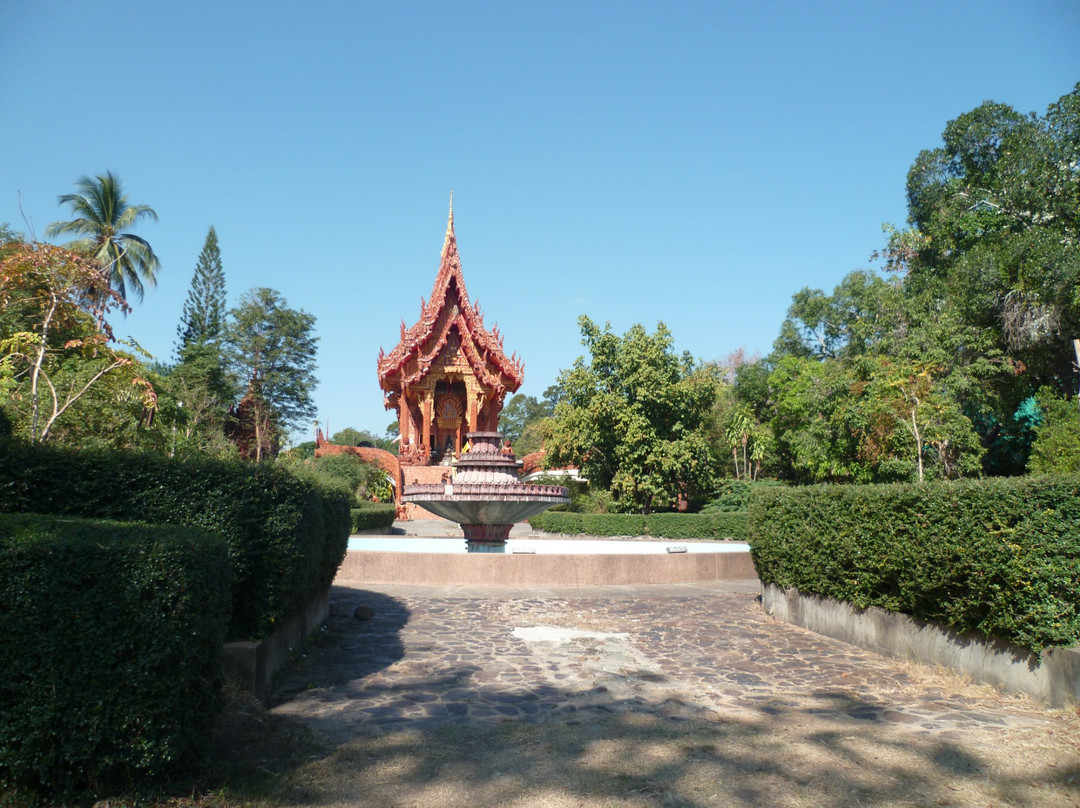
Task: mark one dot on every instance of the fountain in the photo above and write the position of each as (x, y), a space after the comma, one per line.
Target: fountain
(484, 494)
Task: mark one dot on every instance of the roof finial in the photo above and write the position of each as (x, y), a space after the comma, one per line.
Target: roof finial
(449, 225)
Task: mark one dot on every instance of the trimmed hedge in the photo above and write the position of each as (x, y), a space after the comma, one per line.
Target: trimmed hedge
(661, 525)
(377, 516)
(999, 556)
(286, 536)
(111, 650)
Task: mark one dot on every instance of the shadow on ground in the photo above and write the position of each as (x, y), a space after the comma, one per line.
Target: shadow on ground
(546, 746)
(640, 754)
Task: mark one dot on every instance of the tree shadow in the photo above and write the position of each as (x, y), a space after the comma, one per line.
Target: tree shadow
(452, 734)
(347, 648)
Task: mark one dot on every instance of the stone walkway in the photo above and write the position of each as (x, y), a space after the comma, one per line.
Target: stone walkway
(430, 657)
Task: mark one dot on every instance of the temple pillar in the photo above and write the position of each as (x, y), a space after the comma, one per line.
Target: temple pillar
(425, 412)
(404, 420)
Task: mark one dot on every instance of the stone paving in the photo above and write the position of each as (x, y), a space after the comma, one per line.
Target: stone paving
(442, 656)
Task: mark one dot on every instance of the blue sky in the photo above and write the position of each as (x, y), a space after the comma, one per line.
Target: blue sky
(691, 163)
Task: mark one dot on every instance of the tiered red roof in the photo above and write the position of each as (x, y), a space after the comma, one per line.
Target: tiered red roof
(449, 306)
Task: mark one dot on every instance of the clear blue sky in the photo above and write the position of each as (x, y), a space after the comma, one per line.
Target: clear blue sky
(695, 163)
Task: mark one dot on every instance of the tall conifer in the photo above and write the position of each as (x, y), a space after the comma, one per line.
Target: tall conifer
(203, 315)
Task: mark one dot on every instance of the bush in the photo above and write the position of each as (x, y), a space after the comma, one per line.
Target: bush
(557, 522)
(111, 648)
(286, 536)
(718, 525)
(999, 556)
(661, 525)
(373, 517)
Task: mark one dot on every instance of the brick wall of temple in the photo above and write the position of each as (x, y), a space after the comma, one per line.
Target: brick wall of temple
(421, 474)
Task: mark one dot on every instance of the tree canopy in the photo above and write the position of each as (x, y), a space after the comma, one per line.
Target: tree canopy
(102, 217)
(270, 349)
(633, 417)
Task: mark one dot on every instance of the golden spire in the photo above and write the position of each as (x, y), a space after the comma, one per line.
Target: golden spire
(449, 227)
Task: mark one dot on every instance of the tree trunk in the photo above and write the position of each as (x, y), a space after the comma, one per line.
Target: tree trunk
(918, 439)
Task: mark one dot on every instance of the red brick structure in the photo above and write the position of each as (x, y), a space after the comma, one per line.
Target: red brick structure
(448, 375)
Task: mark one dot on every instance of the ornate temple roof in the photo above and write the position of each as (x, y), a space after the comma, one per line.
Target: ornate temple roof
(446, 313)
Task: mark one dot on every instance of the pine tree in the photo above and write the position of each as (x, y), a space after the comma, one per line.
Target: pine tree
(203, 315)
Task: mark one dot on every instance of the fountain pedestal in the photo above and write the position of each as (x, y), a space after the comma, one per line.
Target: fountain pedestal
(485, 496)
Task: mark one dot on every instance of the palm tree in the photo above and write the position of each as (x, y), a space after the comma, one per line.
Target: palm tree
(102, 215)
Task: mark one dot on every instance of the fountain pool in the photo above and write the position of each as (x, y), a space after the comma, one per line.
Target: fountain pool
(392, 544)
(541, 562)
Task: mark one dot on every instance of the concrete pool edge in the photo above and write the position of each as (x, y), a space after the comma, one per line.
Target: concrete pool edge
(374, 567)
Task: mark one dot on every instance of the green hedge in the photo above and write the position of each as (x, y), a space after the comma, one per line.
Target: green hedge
(998, 556)
(111, 649)
(286, 536)
(661, 525)
(377, 516)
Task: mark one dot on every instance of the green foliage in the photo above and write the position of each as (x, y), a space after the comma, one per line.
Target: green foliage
(55, 352)
(660, 525)
(270, 353)
(112, 650)
(520, 422)
(363, 437)
(286, 536)
(869, 419)
(633, 418)
(374, 516)
(203, 316)
(362, 481)
(102, 214)
(731, 496)
(998, 556)
(557, 522)
(1057, 437)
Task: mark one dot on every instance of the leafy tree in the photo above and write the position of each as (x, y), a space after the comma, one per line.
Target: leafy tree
(203, 315)
(633, 417)
(862, 315)
(270, 350)
(364, 437)
(103, 214)
(520, 421)
(365, 482)
(55, 337)
(1057, 436)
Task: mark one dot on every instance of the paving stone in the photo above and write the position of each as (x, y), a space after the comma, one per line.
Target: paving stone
(429, 659)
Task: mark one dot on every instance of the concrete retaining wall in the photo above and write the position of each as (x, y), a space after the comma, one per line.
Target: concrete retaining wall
(478, 569)
(1054, 680)
(254, 663)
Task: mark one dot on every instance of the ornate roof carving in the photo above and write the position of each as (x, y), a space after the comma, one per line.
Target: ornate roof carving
(448, 318)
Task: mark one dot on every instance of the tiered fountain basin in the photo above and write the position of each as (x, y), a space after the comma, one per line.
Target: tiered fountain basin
(484, 494)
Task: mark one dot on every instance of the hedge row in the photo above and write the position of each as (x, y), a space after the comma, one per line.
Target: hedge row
(286, 537)
(377, 516)
(998, 556)
(661, 525)
(111, 650)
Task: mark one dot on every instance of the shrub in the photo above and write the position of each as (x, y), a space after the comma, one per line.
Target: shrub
(373, 517)
(999, 556)
(661, 525)
(286, 536)
(111, 648)
(557, 522)
(718, 525)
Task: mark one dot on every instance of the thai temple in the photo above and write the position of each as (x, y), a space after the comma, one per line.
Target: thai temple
(447, 376)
